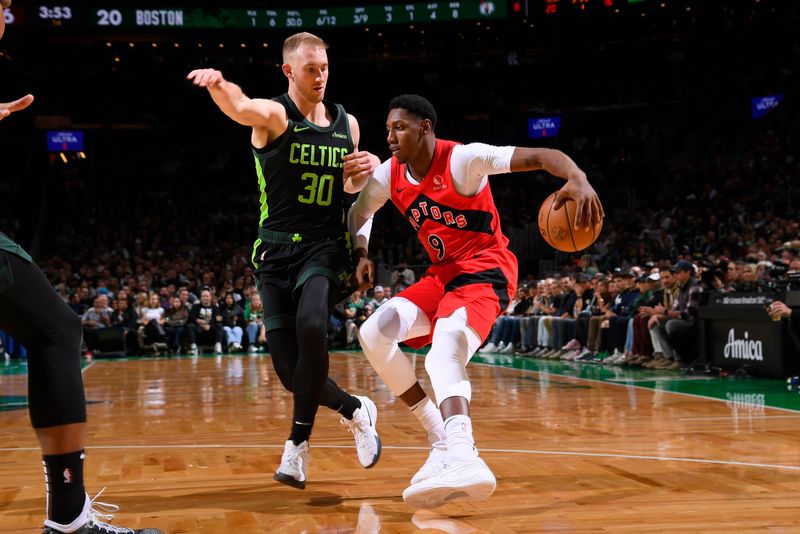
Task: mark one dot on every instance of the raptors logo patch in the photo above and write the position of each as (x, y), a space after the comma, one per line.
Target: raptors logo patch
(438, 183)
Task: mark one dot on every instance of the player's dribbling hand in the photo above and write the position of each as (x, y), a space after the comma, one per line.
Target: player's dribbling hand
(357, 169)
(205, 77)
(364, 272)
(8, 108)
(589, 211)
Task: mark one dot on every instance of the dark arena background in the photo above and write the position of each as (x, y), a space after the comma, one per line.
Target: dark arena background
(124, 181)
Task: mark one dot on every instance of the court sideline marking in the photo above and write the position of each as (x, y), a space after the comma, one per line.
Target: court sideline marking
(415, 448)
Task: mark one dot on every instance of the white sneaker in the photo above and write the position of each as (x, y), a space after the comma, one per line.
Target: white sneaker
(433, 464)
(193, 350)
(89, 520)
(252, 349)
(294, 465)
(500, 347)
(368, 444)
(468, 479)
(508, 349)
(489, 347)
(620, 359)
(218, 348)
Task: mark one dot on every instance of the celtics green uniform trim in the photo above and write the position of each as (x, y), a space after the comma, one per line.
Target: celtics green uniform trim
(9, 246)
(253, 254)
(262, 187)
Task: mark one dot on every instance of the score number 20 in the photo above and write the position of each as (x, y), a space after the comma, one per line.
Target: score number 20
(109, 17)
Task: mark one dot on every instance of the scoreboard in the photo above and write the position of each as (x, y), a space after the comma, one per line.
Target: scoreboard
(73, 14)
(555, 7)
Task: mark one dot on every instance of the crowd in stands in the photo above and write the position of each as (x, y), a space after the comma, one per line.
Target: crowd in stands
(171, 320)
(645, 316)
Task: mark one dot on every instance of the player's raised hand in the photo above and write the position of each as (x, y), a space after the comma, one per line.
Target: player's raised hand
(205, 77)
(358, 167)
(8, 108)
(589, 210)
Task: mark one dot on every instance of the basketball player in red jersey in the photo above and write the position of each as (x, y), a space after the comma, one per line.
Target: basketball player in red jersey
(441, 187)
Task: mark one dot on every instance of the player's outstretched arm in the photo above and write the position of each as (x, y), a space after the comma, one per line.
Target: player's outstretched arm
(229, 97)
(588, 207)
(8, 108)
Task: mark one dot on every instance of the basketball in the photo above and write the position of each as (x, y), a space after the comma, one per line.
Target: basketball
(558, 227)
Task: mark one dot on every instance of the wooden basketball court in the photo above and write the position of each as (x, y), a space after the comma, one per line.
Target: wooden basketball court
(189, 446)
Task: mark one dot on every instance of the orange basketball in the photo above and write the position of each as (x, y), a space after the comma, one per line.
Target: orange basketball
(558, 227)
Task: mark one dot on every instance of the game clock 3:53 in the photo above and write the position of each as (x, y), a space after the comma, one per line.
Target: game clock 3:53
(55, 12)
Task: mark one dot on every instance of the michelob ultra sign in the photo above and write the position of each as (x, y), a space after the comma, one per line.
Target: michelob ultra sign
(65, 141)
(764, 104)
(543, 127)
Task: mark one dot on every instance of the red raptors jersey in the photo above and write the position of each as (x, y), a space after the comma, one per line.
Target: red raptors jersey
(472, 266)
(450, 226)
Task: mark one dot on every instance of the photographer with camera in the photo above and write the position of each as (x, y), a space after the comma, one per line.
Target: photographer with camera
(402, 277)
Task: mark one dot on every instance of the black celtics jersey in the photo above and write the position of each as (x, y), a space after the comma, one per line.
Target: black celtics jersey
(300, 174)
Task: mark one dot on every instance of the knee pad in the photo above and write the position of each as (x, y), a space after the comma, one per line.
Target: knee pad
(395, 321)
(398, 320)
(454, 343)
(55, 384)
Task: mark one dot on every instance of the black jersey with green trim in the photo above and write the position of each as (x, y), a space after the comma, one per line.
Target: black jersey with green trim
(300, 177)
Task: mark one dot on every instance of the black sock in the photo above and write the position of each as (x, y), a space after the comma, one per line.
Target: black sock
(339, 400)
(349, 405)
(300, 432)
(63, 474)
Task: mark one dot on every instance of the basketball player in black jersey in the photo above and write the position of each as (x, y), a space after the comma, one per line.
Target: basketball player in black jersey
(302, 254)
(33, 313)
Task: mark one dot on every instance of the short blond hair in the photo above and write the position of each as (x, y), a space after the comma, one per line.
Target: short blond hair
(293, 42)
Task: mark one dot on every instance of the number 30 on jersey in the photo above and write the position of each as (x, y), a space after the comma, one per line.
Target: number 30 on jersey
(319, 191)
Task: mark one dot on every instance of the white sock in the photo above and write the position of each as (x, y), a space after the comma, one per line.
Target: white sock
(431, 419)
(459, 437)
